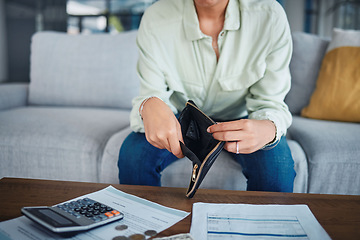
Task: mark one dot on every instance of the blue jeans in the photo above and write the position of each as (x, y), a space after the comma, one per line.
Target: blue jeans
(140, 163)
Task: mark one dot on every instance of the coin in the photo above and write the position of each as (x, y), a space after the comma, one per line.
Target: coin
(137, 237)
(121, 227)
(120, 238)
(150, 233)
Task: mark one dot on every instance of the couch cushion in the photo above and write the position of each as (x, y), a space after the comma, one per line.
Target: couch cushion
(56, 143)
(109, 171)
(13, 95)
(333, 151)
(96, 70)
(337, 92)
(306, 61)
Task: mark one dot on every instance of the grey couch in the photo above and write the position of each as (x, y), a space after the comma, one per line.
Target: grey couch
(70, 121)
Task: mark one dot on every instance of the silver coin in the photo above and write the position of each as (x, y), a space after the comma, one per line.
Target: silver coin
(121, 227)
(137, 237)
(120, 238)
(150, 233)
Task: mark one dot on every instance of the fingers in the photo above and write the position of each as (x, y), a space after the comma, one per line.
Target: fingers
(167, 140)
(226, 131)
(239, 130)
(175, 148)
(245, 135)
(173, 141)
(229, 131)
(162, 129)
(156, 140)
(238, 147)
(232, 147)
(228, 126)
(230, 136)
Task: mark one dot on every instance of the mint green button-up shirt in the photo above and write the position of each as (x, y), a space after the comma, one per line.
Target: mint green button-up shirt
(251, 77)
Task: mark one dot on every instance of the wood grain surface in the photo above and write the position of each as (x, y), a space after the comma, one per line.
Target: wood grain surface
(338, 214)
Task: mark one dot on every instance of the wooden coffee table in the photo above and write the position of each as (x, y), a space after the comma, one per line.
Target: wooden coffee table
(338, 214)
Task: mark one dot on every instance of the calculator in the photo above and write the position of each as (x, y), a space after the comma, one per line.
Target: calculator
(72, 216)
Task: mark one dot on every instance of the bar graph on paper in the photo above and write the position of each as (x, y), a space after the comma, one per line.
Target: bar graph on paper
(237, 226)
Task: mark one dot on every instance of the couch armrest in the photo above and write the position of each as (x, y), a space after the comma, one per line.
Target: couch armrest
(13, 95)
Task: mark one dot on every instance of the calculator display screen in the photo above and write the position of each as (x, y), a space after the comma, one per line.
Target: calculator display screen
(52, 217)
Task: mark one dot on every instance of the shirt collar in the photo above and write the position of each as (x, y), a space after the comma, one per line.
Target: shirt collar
(191, 21)
(232, 16)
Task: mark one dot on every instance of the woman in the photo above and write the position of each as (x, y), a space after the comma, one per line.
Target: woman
(231, 57)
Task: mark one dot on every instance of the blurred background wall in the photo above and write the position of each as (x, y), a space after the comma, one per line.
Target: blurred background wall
(3, 44)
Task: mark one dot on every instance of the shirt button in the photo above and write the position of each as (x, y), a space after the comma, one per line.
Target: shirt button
(222, 34)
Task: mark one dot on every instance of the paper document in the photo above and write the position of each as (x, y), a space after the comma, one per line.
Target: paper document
(181, 236)
(141, 217)
(245, 221)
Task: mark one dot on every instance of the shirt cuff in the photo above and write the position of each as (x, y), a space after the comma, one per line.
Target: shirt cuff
(279, 132)
(274, 142)
(136, 122)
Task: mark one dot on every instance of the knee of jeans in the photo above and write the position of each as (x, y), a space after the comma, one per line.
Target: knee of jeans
(137, 150)
(127, 148)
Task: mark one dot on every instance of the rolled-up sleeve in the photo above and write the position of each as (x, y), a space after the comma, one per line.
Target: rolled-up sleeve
(265, 99)
(152, 79)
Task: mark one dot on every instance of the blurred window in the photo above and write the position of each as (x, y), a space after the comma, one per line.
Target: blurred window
(321, 16)
(113, 16)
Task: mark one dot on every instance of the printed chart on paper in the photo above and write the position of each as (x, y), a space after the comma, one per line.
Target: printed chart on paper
(236, 226)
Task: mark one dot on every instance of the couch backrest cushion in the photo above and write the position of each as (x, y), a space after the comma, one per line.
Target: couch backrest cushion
(96, 70)
(305, 64)
(337, 92)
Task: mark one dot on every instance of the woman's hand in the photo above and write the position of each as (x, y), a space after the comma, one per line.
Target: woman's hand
(162, 129)
(245, 135)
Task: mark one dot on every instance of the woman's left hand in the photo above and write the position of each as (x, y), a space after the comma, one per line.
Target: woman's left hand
(244, 135)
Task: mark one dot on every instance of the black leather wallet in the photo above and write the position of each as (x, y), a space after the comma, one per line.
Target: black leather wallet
(200, 146)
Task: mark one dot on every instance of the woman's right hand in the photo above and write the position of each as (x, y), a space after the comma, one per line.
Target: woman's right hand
(162, 129)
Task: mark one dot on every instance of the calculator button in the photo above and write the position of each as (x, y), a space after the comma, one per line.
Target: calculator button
(89, 209)
(76, 215)
(102, 217)
(115, 212)
(96, 219)
(109, 214)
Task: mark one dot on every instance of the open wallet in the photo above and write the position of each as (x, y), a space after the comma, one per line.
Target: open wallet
(199, 145)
